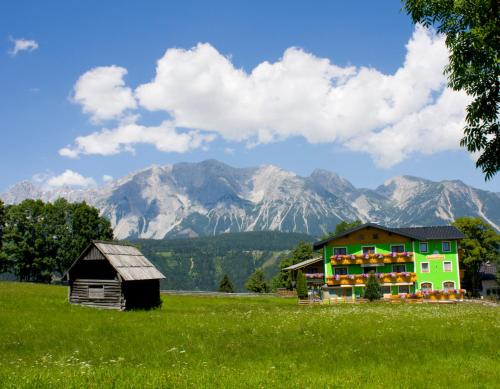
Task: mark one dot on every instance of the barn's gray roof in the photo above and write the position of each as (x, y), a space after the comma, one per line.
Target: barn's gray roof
(129, 262)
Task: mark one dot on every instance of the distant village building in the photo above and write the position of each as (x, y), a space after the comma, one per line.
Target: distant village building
(489, 282)
(116, 276)
(405, 260)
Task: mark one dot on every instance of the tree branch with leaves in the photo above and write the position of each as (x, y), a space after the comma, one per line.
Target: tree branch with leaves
(472, 30)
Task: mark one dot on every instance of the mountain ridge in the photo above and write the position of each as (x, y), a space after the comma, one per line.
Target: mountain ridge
(211, 197)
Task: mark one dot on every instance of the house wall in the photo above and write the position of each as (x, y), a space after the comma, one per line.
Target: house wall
(436, 258)
(357, 248)
(382, 241)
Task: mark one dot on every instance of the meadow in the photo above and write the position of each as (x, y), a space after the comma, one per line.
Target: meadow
(243, 342)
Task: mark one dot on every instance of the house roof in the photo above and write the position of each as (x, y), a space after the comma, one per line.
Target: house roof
(304, 263)
(127, 260)
(430, 233)
(416, 233)
(488, 268)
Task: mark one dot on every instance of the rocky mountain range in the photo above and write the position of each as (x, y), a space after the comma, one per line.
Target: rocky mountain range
(210, 197)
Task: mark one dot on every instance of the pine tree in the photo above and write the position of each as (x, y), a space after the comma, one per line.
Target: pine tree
(226, 285)
(257, 282)
(301, 285)
(373, 291)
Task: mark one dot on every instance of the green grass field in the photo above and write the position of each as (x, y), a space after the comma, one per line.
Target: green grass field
(243, 342)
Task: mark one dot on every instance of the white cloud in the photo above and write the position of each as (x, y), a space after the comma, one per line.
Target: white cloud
(107, 178)
(228, 151)
(102, 93)
(388, 116)
(22, 45)
(122, 138)
(436, 127)
(70, 179)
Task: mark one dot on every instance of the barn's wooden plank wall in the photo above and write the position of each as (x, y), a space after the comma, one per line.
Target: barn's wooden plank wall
(93, 254)
(111, 298)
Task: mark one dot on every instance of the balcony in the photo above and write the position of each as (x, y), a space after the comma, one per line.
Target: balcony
(360, 279)
(366, 259)
(315, 278)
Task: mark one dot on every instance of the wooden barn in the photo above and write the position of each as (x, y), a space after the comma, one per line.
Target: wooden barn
(116, 276)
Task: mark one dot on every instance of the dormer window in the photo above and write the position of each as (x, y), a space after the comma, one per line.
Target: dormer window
(446, 246)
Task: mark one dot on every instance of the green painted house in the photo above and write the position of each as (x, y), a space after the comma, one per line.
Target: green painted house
(405, 260)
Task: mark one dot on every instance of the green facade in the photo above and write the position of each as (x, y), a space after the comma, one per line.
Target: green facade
(436, 275)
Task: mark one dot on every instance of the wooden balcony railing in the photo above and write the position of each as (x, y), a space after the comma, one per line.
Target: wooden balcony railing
(365, 259)
(360, 279)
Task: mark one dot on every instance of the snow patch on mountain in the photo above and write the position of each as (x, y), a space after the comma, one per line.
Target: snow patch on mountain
(208, 198)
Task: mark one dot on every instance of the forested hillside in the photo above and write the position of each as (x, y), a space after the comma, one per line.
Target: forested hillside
(200, 263)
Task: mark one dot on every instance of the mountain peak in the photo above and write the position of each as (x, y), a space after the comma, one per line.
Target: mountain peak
(211, 197)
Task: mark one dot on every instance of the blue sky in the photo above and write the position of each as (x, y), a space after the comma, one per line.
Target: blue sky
(332, 85)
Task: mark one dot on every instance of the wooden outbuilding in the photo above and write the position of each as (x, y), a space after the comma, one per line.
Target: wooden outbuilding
(116, 276)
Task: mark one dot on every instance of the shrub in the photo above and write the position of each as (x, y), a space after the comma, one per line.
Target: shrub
(257, 282)
(373, 291)
(301, 285)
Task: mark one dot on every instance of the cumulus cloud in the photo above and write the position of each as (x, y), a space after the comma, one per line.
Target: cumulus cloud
(388, 116)
(107, 178)
(22, 45)
(164, 137)
(70, 178)
(102, 93)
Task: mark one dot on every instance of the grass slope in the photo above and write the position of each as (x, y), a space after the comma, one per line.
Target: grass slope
(206, 342)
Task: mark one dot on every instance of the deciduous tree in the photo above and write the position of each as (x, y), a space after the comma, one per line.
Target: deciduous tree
(472, 29)
(3, 258)
(481, 244)
(42, 239)
(343, 226)
(301, 252)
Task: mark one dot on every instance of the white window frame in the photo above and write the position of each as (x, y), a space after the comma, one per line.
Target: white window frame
(398, 264)
(453, 282)
(370, 245)
(442, 246)
(421, 267)
(339, 247)
(427, 282)
(393, 245)
(420, 247)
(341, 267)
(451, 267)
